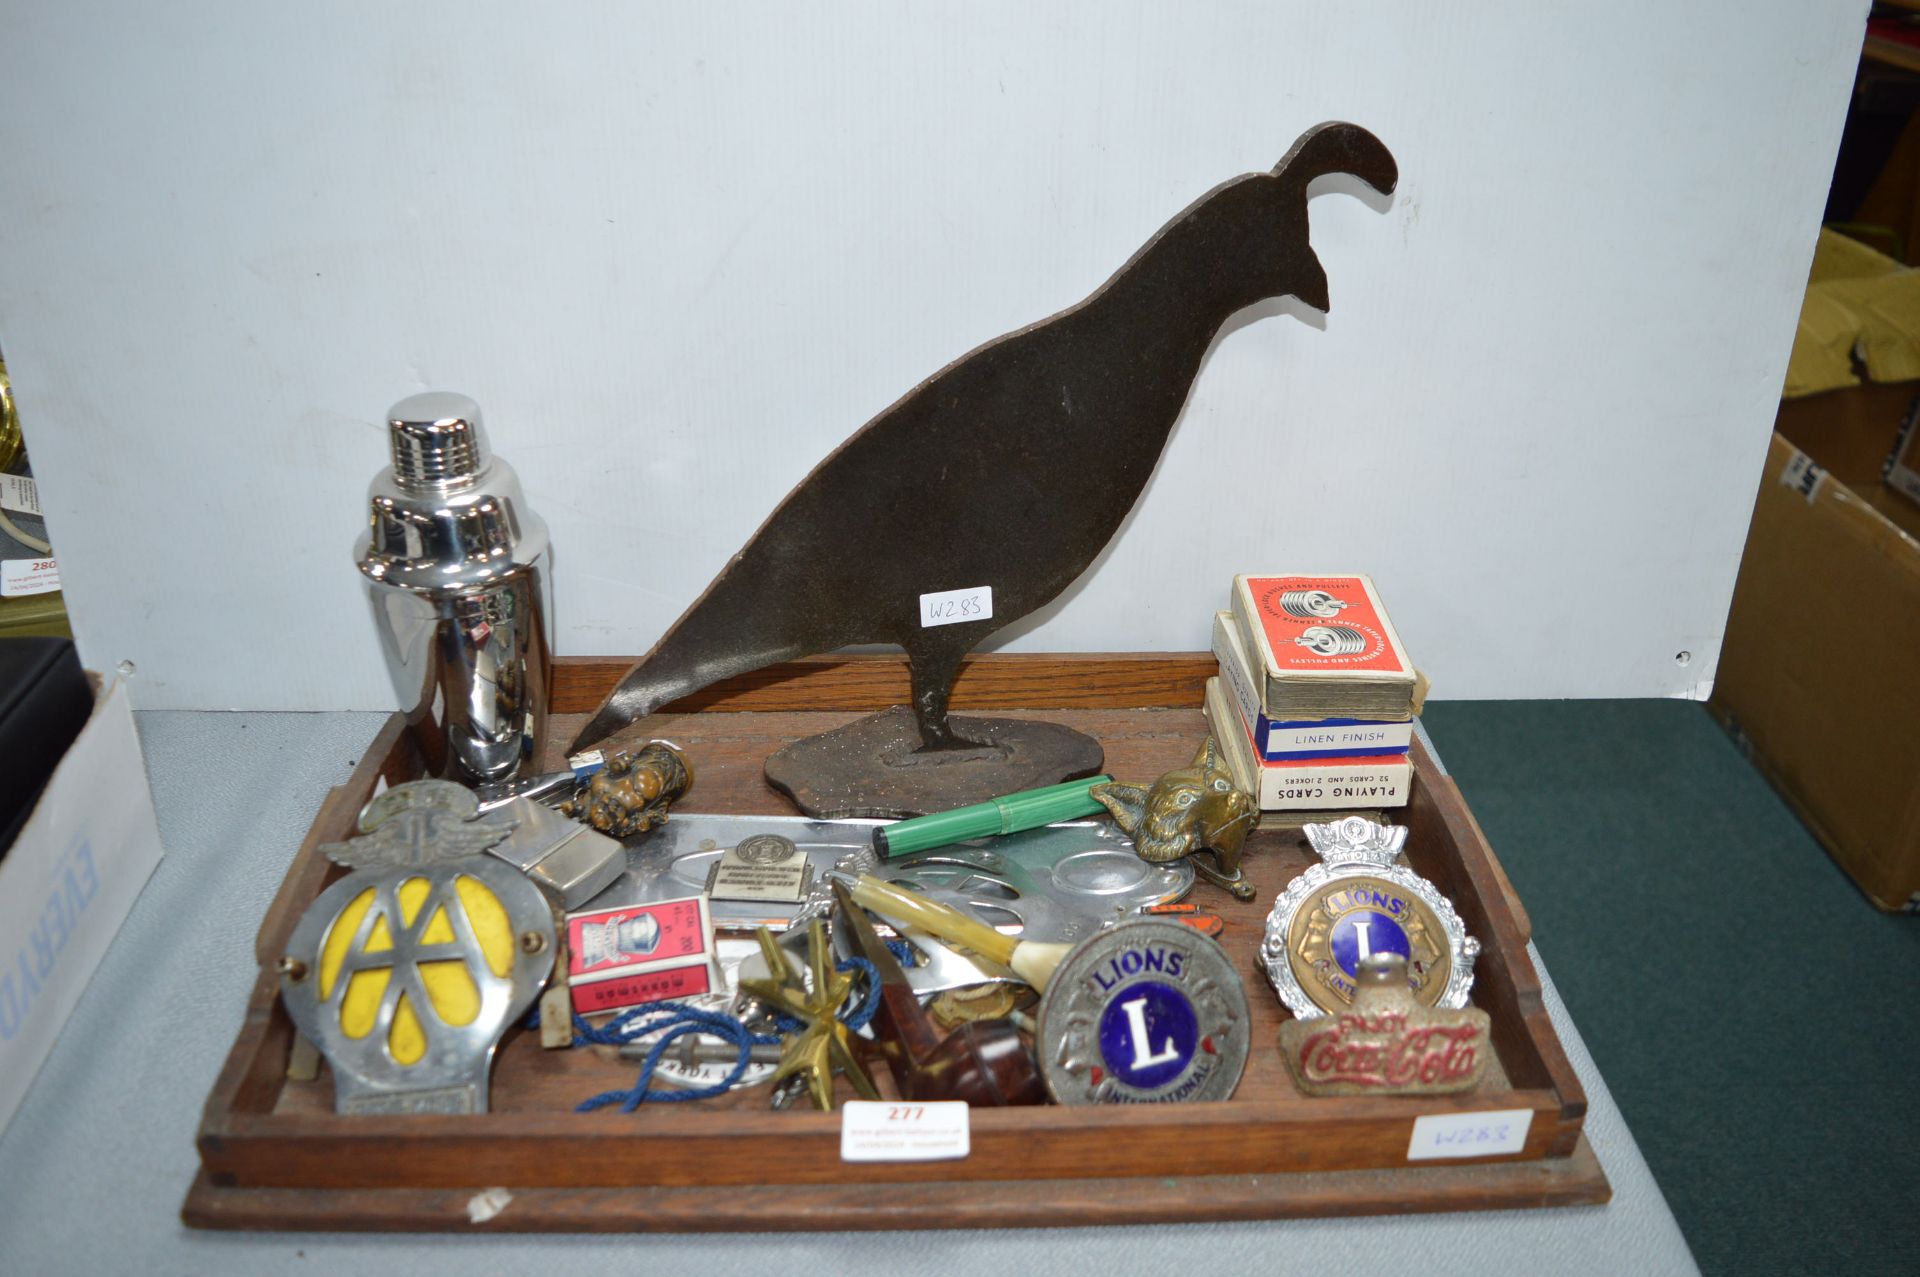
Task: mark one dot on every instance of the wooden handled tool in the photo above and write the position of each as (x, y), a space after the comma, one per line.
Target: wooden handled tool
(986, 1063)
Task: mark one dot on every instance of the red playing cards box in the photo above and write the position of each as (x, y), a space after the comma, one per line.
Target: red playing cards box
(1319, 625)
(623, 957)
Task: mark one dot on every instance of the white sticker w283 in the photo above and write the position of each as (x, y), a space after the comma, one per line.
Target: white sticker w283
(950, 607)
(1469, 1134)
(878, 1131)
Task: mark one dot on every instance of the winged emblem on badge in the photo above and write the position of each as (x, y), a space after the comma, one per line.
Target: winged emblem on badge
(412, 826)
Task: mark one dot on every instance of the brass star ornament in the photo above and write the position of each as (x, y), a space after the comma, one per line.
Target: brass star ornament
(825, 1044)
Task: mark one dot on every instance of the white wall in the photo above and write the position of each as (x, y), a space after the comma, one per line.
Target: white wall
(679, 251)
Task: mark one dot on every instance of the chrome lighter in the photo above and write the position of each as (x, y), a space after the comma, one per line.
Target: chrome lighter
(457, 567)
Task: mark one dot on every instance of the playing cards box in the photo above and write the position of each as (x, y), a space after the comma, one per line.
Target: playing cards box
(619, 958)
(1297, 739)
(1310, 784)
(1322, 647)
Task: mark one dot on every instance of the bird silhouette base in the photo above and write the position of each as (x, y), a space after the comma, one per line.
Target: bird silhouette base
(875, 769)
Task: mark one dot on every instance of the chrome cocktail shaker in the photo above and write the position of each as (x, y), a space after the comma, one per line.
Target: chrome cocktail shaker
(457, 568)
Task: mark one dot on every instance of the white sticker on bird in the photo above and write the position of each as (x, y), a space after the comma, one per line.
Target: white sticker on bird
(951, 607)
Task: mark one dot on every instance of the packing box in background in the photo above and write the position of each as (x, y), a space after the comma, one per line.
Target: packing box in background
(67, 883)
(1820, 672)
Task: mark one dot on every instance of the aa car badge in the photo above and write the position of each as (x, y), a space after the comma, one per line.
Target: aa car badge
(1146, 1012)
(406, 972)
(1355, 903)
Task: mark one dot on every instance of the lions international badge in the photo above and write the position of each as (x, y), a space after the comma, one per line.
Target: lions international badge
(1146, 1012)
(1358, 902)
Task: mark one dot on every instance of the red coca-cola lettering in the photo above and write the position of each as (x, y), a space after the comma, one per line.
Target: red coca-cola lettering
(1382, 1051)
(1433, 1055)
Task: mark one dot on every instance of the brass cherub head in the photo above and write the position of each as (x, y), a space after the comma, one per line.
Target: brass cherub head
(1187, 811)
(632, 793)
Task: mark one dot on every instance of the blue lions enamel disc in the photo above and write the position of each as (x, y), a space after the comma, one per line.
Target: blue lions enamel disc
(1358, 902)
(1146, 1012)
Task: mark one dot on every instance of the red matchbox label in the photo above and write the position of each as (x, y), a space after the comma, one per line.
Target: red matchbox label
(612, 940)
(642, 953)
(1322, 624)
(620, 992)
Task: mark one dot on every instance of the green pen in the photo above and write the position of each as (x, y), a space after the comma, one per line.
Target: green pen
(1008, 814)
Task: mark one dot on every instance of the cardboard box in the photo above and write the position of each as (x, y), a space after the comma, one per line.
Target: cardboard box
(1820, 672)
(67, 884)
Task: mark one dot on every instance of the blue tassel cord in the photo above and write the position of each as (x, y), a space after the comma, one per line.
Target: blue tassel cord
(677, 1020)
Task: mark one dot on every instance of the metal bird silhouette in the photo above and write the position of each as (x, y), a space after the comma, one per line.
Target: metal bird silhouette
(1012, 467)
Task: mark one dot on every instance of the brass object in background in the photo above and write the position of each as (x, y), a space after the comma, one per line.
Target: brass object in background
(632, 793)
(1187, 811)
(973, 1002)
(10, 442)
(1387, 1043)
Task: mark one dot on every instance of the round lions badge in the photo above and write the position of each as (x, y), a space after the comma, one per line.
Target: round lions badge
(1356, 903)
(1146, 1012)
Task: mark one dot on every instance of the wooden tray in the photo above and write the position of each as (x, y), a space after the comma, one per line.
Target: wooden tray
(274, 1155)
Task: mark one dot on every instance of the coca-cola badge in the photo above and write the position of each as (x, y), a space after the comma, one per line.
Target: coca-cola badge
(1358, 902)
(1386, 1043)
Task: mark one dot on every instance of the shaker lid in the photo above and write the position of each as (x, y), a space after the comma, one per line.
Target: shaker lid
(447, 517)
(438, 440)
